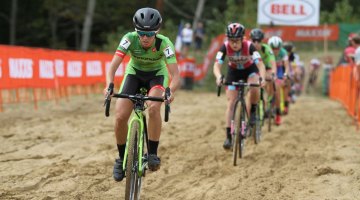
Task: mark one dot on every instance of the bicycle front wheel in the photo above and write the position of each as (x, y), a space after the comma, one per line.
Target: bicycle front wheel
(242, 133)
(235, 128)
(133, 181)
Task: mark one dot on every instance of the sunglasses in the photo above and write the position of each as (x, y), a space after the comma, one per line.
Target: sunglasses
(256, 40)
(146, 33)
(235, 40)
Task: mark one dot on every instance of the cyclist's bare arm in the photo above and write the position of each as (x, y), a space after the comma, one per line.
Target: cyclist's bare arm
(113, 67)
(217, 72)
(175, 78)
(273, 67)
(286, 63)
(260, 65)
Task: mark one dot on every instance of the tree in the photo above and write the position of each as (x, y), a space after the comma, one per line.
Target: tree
(87, 25)
(13, 22)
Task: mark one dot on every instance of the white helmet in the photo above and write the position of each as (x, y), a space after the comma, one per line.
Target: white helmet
(275, 42)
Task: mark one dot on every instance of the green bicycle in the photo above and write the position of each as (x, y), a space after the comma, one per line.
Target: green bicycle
(135, 161)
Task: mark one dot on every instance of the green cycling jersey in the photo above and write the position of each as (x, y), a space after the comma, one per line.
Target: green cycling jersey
(267, 55)
(154, 58)
(281, 57)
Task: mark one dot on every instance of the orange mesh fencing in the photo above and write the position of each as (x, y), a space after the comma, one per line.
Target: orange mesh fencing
(345, 88)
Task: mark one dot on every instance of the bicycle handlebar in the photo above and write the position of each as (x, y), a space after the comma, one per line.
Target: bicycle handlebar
(137, 97)
(239, 83)
(242, 84)
(167, 104)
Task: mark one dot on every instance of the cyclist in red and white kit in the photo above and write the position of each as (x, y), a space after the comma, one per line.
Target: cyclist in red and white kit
(244, 64)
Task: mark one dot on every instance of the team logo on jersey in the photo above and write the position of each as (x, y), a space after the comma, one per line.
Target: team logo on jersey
(124, 43)
(153, 49)
(239, 59)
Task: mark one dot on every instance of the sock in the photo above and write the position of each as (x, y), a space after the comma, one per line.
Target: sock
(228, 134)
(253, 108)
(286, 103)
(278, 111)
(153, 146)
(121, 149)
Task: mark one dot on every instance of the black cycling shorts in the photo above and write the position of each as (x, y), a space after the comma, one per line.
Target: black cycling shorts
(234, 75)
(133, 82)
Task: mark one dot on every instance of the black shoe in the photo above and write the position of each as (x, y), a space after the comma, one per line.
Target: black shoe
(154, 162)
(252, 120)
(118, 171)
(227, 143)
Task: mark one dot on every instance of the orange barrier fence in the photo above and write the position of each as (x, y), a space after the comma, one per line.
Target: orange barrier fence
(344, 88)
(53, 72)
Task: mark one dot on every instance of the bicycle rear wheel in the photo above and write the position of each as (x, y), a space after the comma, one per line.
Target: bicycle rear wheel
(133, 181)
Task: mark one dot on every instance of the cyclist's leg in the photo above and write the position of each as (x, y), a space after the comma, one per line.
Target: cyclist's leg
(268, 87)
(253, 77)
(286, 89)
(123, 109)
(280, 74)
(156, 84)
(231, 95)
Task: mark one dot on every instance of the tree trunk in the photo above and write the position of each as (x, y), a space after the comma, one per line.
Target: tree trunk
(86, 31)
(53, 24)
(198, 12)
(13, 22)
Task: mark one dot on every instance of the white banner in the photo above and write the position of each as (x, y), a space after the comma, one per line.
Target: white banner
(289, 12)
(46, 69)
(21, 68)
(74, 69)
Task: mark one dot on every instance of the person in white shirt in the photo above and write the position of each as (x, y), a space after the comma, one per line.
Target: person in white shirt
(187, 38)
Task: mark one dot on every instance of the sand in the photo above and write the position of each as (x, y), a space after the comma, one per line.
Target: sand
(67, 151)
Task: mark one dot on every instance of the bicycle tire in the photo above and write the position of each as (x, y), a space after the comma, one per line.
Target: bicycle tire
(132, 189)
(235, 133)
(243, 131)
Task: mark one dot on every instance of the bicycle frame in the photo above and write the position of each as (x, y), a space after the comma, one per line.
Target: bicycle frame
(137, 116)
(241, 99)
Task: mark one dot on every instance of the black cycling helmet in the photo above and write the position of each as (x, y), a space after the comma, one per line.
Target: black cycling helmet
(147, 19)
(257, 34)
(235, 30)
(288, 46)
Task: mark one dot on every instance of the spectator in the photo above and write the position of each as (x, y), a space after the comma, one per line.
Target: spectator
(199, 37)
(187, 37)
(356, 40)
(350, 50)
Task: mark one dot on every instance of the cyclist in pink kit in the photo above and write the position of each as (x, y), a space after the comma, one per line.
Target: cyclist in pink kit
(244, 64)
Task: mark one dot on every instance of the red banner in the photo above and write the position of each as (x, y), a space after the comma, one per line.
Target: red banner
(22, 67)
(303, 33)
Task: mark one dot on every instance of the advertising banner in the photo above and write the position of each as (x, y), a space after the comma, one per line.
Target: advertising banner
(289, 12)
